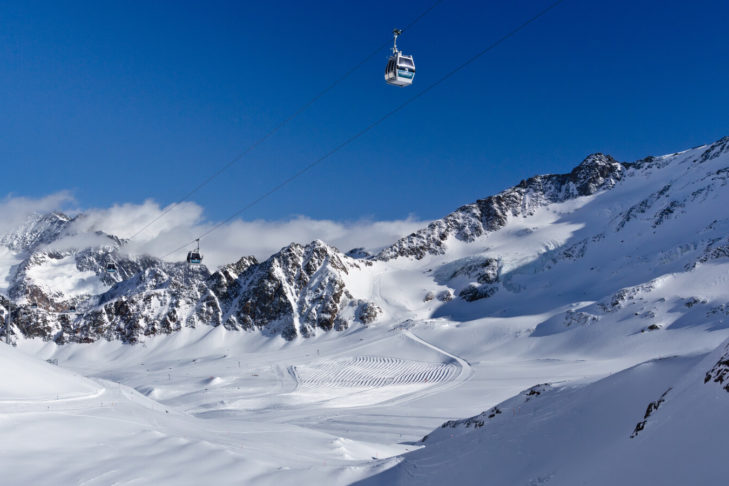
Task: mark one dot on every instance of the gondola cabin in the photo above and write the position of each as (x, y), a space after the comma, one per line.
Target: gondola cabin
(400, 70)
(194, 256)
(110, 268)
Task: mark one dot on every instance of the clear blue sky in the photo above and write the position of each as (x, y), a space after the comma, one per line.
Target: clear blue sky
(123, 101)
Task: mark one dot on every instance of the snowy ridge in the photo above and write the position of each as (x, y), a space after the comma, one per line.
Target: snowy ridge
(595, 173)
(296, 291)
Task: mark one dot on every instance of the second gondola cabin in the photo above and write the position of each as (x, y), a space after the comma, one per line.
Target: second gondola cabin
(194, 256)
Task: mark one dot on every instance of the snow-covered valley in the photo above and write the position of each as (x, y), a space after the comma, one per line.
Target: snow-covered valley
(580, 320)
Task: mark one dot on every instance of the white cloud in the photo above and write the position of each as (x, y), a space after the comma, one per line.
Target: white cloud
(262, 238)
(226, 244)
(16, 210)
(142, 221)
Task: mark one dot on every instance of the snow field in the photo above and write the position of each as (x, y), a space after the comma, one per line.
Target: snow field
(27, 380)
(62, 276)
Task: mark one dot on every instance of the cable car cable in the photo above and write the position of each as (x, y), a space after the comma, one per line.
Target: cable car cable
(281, 124)
(372, 125)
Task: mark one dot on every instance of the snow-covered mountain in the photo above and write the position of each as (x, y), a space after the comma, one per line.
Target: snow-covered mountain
(608, 232)
(572, 329)
(68, 296)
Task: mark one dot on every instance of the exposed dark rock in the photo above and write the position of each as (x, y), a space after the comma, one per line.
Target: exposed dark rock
(579, 318)
(484, 270)
(482, 419)
(359, 253)
(477, 292)
(715, 150)
(445, 295)
(719, 373)
(652, 407)
(367, 312)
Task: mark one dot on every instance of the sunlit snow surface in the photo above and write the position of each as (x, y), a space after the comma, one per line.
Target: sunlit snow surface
(62, 276)
(609, 312)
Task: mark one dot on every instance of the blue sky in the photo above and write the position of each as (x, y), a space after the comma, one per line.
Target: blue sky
(122, 102)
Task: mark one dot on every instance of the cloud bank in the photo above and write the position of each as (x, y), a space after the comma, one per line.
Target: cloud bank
(16, 210)
(185, 222)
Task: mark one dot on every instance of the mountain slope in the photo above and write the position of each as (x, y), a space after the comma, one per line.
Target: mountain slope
(597, 172)
(581, 434)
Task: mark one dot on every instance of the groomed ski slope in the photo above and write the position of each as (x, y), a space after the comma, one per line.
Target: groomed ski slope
(197, 412)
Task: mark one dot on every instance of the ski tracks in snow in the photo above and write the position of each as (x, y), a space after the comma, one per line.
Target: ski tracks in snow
(380, 379)
(373, 372)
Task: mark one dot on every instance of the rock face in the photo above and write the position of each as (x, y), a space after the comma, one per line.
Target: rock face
(595, 173)
(293, 293)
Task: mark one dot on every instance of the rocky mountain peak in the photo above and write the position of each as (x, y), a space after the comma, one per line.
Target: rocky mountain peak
(714, 150)
(597, 172)
(294, 292)
(597, 159)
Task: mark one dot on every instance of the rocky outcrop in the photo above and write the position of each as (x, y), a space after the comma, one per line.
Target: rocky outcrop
(652, 407)
(293, 293)
(719, 373)
(483, 419)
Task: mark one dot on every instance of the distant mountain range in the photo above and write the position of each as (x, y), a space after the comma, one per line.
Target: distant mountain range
(609, 233)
